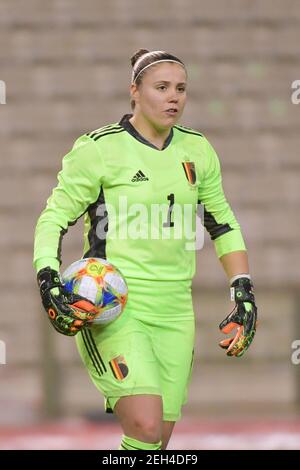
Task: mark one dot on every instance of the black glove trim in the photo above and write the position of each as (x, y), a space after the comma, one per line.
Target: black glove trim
(242, 289)
(47, 279)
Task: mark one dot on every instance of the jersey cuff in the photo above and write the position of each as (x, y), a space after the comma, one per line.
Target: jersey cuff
(229, 242)
(41, 263)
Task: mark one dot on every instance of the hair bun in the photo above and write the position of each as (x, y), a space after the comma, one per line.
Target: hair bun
(137, 55)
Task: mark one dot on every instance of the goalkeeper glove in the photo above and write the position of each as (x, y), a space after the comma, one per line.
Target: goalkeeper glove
(67, 312)
(243, 317)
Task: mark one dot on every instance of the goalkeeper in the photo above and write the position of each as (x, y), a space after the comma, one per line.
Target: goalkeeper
(117, 176)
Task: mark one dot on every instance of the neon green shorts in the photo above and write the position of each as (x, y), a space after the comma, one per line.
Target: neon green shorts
(148, 349)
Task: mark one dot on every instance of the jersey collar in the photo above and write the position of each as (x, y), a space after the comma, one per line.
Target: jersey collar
(132, 131)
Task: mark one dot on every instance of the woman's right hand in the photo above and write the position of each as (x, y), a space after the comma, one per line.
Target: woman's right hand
(67, 312)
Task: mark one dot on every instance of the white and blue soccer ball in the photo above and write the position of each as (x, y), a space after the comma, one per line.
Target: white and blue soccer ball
(101, 283)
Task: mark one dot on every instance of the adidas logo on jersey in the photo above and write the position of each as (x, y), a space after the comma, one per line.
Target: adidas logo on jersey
(139, 176)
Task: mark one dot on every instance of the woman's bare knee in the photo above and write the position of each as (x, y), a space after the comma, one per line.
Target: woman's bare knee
(148, 429)
(141, 417)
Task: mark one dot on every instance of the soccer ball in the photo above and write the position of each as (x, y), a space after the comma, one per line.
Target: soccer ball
(100, 283)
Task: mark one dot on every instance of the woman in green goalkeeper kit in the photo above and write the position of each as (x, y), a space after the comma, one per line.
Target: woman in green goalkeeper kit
(138, 183)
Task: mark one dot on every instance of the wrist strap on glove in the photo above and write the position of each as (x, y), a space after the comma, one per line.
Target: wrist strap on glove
(241, 290)
(48, 279)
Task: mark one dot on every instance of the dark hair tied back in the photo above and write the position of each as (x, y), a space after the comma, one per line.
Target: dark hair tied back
(137, 55)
